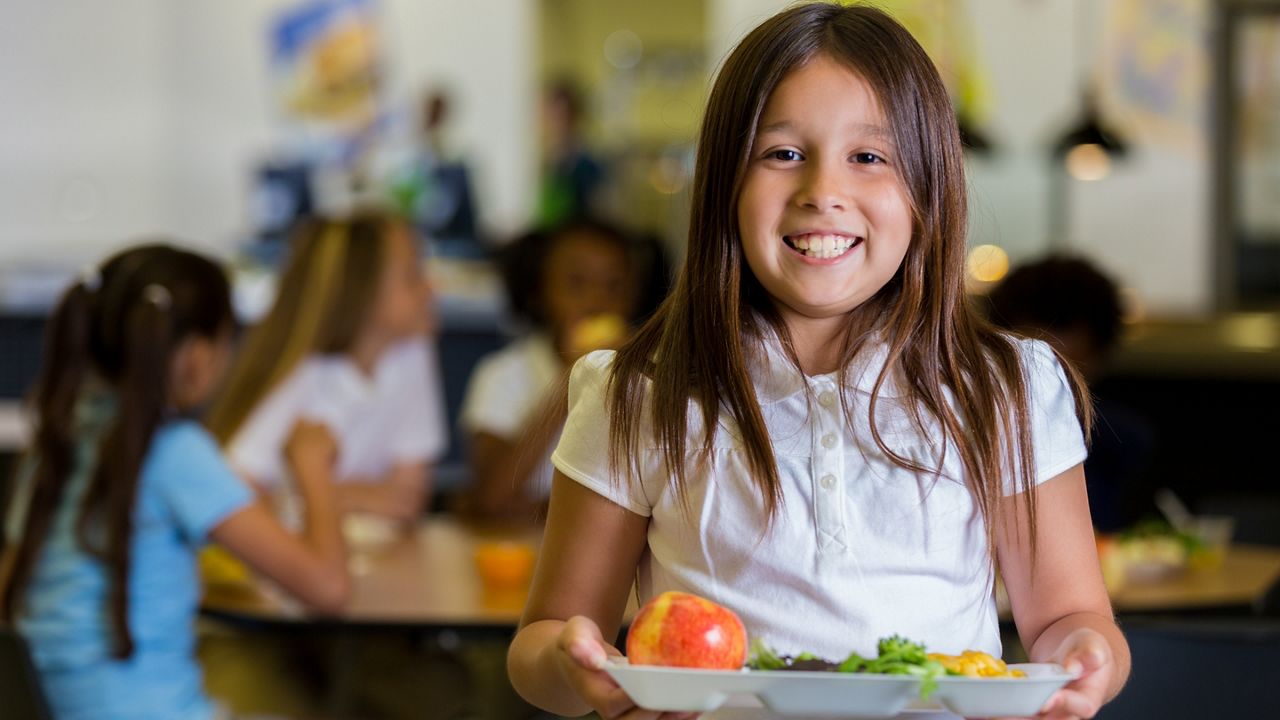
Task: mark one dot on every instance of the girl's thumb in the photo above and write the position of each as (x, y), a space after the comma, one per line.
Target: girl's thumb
(583, 644)
(587, 653)
(1085, 659)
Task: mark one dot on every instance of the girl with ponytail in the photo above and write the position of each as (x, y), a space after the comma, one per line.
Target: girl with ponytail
(121, 487)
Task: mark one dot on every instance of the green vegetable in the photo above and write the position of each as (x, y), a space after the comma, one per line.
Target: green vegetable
(898, 656)
(764, 658)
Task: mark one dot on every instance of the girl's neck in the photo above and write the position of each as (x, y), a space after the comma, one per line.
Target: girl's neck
(366, 352)
(819, 342)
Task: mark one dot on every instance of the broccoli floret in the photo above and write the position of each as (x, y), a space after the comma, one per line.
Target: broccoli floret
(899, 649)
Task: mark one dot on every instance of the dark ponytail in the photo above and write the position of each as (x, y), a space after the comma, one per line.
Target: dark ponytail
(151, 298)
(66, 362)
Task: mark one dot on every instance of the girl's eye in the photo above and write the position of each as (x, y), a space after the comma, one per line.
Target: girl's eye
(783, 155)
(866, 158)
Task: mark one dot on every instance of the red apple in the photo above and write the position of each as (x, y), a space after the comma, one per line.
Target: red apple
(682, 630)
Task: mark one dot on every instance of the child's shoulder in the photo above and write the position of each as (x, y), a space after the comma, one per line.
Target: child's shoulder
(1038, 358)
(183, 440)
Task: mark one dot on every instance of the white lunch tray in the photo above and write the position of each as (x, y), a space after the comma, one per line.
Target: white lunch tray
(834, 694)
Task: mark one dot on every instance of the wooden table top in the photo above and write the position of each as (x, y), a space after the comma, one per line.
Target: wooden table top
(428, 578)
(1246, 573)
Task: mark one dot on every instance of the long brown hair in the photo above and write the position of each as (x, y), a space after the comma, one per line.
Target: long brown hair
(120, 327)
(696, 346)
(325, 296)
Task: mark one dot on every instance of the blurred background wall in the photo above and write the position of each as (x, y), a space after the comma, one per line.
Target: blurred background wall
(144, 116)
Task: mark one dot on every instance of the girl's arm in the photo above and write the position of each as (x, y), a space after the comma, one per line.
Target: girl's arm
(585, 570)
(502, 467)
(401, 494)
(312, 566)
(1059, 602)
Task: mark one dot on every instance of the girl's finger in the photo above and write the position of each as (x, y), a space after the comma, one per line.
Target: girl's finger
(1071, 704)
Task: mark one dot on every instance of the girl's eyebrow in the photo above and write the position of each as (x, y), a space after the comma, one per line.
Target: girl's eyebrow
(878, 131)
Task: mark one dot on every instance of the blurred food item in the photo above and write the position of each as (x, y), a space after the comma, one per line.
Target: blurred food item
(504, 564)
(368, 532)
(974, 663)
(1112, 562)
(219, 567)
(598, 331)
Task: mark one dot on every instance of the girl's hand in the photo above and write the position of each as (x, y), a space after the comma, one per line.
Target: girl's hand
(581, 654)
(310, 447)
(1084, 651)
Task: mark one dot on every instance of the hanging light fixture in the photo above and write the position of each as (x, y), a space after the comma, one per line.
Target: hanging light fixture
(1085, 151)
(1087, 148)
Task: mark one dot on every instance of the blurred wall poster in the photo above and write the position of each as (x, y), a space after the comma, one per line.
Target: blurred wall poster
(1258, 90)
(326, 72)
(1157, 74)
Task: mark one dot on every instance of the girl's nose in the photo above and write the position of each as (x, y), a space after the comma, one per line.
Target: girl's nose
(822, 190)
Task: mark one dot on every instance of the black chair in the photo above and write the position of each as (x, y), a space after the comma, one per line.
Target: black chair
(20, 692)
(1269, 604)
(1200, 668)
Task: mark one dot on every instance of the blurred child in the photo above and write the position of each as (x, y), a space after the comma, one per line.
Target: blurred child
(578, 286)
(345, 346)
(121, 487)
(1073, 306)
(573, 179)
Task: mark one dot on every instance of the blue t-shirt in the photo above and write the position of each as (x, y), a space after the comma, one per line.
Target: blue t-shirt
(186, 488)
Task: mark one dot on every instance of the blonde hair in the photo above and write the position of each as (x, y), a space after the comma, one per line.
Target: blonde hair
(325, 297)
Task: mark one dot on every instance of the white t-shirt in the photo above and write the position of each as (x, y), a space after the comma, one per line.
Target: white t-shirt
(506, 390)
(859, 549)
(395, 416)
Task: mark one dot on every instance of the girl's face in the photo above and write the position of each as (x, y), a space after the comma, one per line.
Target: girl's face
(401, 307)
(824, 218)
(585, 276)
(198, 366)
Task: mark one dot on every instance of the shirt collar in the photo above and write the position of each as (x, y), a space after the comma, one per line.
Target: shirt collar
(776, 378)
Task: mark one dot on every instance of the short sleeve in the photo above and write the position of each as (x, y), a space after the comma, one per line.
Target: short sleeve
(1057, 439)
(257, 449)
(583, 452)
(422, 436)
(493, 403)
(192, 480)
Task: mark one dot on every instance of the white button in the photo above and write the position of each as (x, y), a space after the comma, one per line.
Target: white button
(827, 399)
(829, 440)
(828, 482)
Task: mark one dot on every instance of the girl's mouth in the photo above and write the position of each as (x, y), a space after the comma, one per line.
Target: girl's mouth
(822, 246)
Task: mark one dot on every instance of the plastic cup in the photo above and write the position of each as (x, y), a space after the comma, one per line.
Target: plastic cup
(1214, 533)
(504, 565)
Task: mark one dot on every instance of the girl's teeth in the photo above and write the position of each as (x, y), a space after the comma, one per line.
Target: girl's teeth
(823, 246)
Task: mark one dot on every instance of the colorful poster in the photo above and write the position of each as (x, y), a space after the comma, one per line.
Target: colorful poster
(1258, 93)
(1156, 76)
(326, 70)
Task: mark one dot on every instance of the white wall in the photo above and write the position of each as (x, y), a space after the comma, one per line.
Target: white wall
(82, 115)
(142, 116)
(1147, 224)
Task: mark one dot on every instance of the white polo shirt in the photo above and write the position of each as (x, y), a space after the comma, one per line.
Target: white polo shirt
(395, 416)
(859, 549)
(506, 389)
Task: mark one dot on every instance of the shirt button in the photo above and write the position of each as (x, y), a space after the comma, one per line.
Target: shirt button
(829, 440)
(827, 399)
(828, 482)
